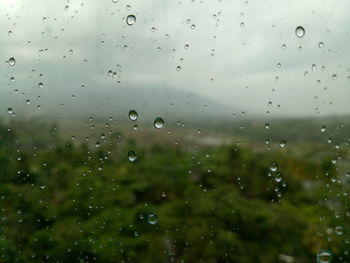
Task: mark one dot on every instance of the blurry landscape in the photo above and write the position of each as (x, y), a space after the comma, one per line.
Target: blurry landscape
(211, 131)
(191, 195)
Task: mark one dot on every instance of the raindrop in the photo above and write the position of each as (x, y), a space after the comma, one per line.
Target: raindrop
(283, 143)
(158, 123)
(9, 33)
(278, 177)
(9, 110)
(12, 61)
(320, 44)
(131, 156)
(178, 68)
(133, 115)
(324, 256)
(152, 219)
(130, 20)
(66, 8)
(41, 85)
(339, 230)
(323, 128)
(334, 76)
(274, 166)
(300, 31)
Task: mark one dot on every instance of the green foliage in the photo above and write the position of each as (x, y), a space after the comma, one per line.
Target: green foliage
(65, 202)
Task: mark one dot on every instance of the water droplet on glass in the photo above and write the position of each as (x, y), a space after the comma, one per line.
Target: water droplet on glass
(158, 123)
(130, 20)
(283, 143)
(334, 76)
(131, 156)
(40, 85)
(324, 256)
(273, 166)
(66, 8)
(12, 61)
(152, 219)
(278, 177)
(323, 128)
(133, 115)
(300, 31)
(339, 230)
(9, 110)
(320, 44)
(9, 33)
(178, 68)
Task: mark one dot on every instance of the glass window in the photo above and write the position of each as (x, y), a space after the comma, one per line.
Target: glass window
(174, 131)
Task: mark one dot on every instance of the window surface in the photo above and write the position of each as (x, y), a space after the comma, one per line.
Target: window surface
(174, 131)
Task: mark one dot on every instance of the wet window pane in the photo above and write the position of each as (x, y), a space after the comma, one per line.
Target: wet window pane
(174, 131)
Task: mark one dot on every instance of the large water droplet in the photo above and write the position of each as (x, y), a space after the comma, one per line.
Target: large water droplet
(130, 20)
(158, 123)
(133, 115)
(324, 256)
(132, 156)
(12, 61)
(300, 31)
(152, 219)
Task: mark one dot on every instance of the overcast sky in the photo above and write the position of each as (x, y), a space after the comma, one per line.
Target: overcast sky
(234, 48)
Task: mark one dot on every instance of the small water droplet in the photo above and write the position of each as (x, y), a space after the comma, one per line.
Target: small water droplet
(339, 230)
(9, 33)
(320, 44)
(158, 123)
(283, 143)
(152, 219)
(133, 115)
(273, 166)
(12, 61)
(66, 8)
(323, 128)
(130, 20)
(40, 85)
(334, 76)
(9, 110)
(131, 156)
(178, 68)
(324, 256)
(300, 31)
(278, 177)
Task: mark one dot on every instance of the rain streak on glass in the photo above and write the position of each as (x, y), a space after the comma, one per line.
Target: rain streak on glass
(131, 156)
(300, 31)
(130, 20)
(158, 123)
(133, 115)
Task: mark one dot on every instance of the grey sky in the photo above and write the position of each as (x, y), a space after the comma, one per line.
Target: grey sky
(227, 62)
